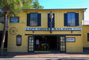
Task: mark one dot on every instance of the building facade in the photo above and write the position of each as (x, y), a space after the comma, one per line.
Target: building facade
(33, 30)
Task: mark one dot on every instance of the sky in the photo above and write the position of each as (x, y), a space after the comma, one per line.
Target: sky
(55, 4)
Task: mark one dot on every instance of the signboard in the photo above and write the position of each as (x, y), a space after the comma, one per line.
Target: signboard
(14, 20)
(72, 39)
(53, 29)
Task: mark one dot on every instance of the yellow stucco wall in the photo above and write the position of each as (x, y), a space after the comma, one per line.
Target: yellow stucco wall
(84, 35)
(59, 23)
(76, 46)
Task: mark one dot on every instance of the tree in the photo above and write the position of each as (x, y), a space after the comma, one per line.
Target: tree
(27, 4)
(11, 7)
(36, 5)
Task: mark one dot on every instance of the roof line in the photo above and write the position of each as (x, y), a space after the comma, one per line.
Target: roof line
(60, 9)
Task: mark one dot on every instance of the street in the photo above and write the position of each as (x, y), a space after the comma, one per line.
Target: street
(44, 58)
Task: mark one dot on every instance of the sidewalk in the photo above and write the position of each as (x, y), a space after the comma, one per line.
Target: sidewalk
(55, 56)
(46, 55)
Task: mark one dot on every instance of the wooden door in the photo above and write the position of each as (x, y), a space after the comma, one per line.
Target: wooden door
(30, 43)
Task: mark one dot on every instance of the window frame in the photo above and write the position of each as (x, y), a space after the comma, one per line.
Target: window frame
(76, 19)
(14, 17)
(17, 40)
(38, 19)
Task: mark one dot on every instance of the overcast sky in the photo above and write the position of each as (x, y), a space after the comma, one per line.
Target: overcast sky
(50, 4)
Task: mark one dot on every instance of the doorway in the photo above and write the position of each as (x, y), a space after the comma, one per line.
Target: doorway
(47, 43)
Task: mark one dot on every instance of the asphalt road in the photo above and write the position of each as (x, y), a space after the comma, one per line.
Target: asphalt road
(44, 58)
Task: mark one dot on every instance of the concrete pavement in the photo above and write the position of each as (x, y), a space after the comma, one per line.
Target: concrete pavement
(56, 56)
(44, 58)
(46, 55)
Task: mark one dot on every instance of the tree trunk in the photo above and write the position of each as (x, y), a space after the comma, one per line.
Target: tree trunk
(4, 33)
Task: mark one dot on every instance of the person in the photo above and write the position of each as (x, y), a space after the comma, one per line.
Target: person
(37, 44)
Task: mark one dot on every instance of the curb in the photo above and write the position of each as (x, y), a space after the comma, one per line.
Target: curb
(41, 57)
(50, 57)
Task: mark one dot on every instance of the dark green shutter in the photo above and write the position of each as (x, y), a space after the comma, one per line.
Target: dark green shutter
(49, 20)
(28, 19)
(39, 19)
(65, 19)
(77, 19)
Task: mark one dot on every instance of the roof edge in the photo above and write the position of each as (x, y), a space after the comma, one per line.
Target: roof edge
(60, 9)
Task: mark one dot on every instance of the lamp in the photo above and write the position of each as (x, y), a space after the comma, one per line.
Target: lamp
(51, 17)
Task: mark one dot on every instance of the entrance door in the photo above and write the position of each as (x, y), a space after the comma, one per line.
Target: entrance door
(61, 44)
(30, 43)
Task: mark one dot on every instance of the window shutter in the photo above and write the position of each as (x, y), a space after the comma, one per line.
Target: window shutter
(65, 19)
(28, 19)
(39, 19)
(77, 19)
(49, 20)
(53, 21)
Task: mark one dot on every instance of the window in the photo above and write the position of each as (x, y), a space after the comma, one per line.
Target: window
(34, 19)
(14, 19)
(1, 19)
(87, 36)
(71, 19)
(18, 40)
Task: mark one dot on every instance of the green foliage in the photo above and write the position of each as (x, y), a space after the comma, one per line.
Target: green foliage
(27, 4)
(11, 6)
(15, 6)
(36, 5)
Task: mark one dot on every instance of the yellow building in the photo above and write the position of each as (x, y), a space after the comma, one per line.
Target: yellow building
(85, 36)
(48, 30)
